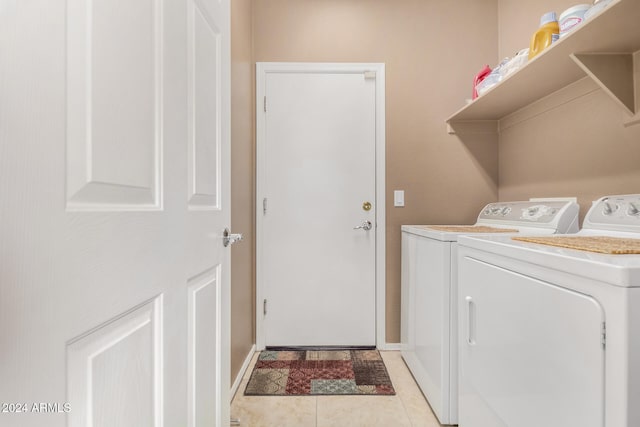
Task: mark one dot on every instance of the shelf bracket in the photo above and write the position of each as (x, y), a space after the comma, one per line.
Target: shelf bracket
(614, 73)
(631, 121)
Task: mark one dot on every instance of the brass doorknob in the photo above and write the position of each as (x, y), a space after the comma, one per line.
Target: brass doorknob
(366, 206)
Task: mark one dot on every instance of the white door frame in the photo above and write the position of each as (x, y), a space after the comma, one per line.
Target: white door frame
(262, 69)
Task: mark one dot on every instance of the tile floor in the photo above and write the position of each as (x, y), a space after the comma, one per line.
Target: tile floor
(407, 408)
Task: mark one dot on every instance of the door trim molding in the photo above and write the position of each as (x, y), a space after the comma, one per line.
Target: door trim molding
(262, 69)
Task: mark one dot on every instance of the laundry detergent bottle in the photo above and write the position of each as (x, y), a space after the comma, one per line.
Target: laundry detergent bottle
(548, 32)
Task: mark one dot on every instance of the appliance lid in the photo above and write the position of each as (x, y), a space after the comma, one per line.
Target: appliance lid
(451, 233)
(619, 270)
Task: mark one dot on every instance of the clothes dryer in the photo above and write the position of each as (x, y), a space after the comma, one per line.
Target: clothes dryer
(550, 328)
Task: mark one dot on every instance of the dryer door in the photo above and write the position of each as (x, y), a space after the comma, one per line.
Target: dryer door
(531, 352)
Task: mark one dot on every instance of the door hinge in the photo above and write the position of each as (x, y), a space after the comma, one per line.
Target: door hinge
(264, 307)
(264, 206)
(604, 335)
(264, 103)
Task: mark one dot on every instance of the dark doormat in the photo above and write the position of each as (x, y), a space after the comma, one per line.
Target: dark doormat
(319, 372)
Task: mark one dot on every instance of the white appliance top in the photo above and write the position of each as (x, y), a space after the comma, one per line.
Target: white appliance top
(614, 216)
(528, 217)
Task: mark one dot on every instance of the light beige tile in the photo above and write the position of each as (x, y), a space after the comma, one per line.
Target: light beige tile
(419, 411)
(272, 411)
(407, 408)
(401, 377)
(390, 355)
(399, 373)
(254, 359)
(393, 361)
(240, 393)
(361, 411)
(414, 402)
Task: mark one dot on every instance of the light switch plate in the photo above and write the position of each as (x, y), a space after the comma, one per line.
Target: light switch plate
(398, 198)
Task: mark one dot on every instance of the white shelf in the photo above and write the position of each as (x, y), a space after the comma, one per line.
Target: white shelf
(615, 30)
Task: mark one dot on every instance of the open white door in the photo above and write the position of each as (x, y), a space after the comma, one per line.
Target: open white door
(321, 204)
(209, 165)
(114, 175)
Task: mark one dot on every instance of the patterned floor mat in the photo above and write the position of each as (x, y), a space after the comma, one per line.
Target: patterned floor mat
(319, 372)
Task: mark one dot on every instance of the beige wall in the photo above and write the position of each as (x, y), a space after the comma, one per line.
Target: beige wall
(578, 148)
(242, 185)
(519, 19)
(431, 50)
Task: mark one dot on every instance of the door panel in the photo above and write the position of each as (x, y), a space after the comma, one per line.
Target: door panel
(108, 68)
(204, 108)
(120, 360)
(319, 169)
(531, 352)
(204, 358)
(97, 238)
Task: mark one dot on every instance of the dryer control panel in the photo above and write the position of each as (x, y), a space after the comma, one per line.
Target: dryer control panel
(559, 215)
(542, 212)
(621, 213)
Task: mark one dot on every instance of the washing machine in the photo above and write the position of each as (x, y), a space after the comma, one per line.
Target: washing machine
(550, 327)
(429, 290)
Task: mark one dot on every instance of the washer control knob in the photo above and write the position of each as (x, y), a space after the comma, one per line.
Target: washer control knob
(609, 208)
(633, 210)
(505, 210)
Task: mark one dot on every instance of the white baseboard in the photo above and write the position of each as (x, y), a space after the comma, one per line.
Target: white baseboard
(391, 346)
(243, 369)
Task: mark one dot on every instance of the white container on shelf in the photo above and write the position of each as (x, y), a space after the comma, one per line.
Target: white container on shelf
(572, 17)
(515, 63)
(597, 7)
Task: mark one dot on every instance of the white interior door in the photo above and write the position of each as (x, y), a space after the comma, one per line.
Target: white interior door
(113, 277)
(208, 171)
(317, 183)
